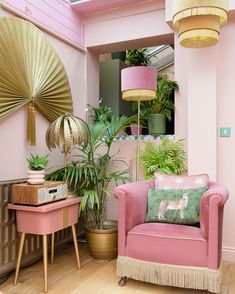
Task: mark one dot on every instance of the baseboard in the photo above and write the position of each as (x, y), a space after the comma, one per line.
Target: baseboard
(228, 253)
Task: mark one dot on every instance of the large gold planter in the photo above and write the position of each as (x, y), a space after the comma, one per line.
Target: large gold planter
(103, 243)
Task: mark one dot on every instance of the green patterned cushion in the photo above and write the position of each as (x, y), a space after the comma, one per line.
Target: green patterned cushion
(178, 206)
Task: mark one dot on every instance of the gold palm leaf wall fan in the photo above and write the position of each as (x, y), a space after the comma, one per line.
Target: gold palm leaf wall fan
(31, 73)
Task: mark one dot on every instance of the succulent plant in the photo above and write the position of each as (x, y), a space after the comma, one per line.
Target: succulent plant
(37, 162)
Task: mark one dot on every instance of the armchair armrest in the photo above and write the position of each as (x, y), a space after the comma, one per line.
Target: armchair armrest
(132, 207)
(217, 190)
(213, 198)
(211, 220)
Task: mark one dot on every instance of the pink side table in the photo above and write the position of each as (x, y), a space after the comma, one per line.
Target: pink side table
(44, 220)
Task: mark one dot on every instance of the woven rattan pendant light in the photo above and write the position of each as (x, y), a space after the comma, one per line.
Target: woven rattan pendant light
(31, 73)
(198, 22)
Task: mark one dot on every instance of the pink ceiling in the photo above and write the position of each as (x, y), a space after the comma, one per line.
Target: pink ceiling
(94, 6)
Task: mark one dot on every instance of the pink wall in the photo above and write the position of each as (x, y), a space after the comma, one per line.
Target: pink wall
(14, 148)
(126, 30)
(202, 110)
(92, 78)
(102, 6)
(181, 103)
(205, 103)
(127, 153)
(54, 15)
(226, 118)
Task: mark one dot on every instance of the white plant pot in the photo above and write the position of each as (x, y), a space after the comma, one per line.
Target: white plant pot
(36, 177)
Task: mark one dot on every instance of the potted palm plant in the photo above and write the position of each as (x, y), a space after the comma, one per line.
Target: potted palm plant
(90, 176)
(94, 163)
(161, 108)
(37, 165)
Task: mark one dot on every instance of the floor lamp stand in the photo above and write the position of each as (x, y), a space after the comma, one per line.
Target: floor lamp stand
(138, 144)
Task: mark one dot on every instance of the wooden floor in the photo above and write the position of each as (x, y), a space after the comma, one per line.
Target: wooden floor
(94, 277)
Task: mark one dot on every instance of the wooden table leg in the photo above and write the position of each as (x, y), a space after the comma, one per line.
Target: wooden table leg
(22, 238)
(45, 262)
(52, 247)
(75, 244)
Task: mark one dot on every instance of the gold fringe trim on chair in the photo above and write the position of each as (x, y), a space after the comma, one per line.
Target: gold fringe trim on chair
(170, 275)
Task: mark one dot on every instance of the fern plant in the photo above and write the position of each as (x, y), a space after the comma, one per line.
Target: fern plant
(37, 162)
(168, 157)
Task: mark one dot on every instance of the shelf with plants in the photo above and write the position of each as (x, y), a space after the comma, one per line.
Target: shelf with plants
(126, 137)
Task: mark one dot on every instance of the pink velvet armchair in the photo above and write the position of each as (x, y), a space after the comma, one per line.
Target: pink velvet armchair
(170, 254)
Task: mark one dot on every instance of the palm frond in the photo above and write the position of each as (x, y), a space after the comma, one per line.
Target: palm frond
(91, 174)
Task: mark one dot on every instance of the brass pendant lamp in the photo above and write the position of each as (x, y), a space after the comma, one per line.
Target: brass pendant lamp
(198, 22)
(31, 73)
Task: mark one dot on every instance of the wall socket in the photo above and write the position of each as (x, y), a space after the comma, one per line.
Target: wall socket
(225, 132)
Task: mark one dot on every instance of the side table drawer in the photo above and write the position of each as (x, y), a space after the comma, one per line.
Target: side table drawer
(47, 219)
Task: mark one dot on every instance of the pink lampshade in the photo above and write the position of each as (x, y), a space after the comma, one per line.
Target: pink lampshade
(139, 83)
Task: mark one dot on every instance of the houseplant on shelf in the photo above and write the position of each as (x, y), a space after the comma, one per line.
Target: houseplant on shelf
(161, 108)
(100, 113)
(90, 176)
(137, 57)
(37, 165)
(168, 157)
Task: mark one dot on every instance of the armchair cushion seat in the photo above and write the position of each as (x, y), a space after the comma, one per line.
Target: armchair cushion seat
(155, 240)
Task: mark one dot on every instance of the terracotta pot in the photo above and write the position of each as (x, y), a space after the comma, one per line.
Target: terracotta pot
(134, 129)
(36, 177)
(103, 243)
(122, 132)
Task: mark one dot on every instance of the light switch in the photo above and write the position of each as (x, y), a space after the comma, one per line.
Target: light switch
(225, 132)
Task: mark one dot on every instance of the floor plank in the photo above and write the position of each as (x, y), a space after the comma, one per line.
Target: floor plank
(94, 277)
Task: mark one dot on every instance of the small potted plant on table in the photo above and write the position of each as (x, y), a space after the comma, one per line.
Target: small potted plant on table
(37, 165)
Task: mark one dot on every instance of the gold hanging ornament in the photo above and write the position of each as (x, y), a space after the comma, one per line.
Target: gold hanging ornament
(198, 22)
(31, 73)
